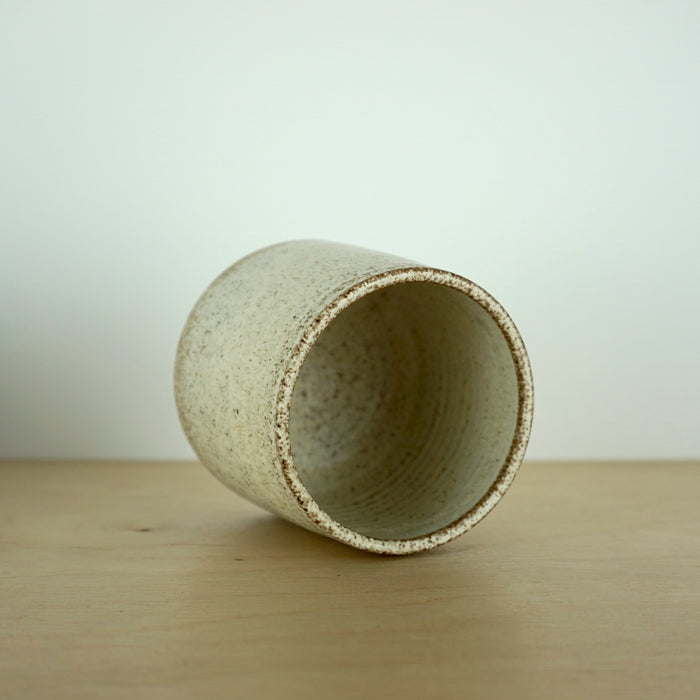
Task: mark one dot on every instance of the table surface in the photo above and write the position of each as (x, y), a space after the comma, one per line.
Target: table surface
(150, 579)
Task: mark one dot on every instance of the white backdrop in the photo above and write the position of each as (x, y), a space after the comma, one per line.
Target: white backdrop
(547, 150)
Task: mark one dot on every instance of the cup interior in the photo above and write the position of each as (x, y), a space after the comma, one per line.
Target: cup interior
(404, 410)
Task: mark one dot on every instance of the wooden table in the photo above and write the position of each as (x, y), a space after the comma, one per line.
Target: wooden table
(152, 580)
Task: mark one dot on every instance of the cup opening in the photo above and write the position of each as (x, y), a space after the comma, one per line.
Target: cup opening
(404, 410)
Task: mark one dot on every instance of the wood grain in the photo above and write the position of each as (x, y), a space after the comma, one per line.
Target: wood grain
(152, 580)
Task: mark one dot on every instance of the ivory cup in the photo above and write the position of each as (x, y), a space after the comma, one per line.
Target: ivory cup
(360, 395)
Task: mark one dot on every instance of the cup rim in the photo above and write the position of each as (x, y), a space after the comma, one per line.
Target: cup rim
(332, 310)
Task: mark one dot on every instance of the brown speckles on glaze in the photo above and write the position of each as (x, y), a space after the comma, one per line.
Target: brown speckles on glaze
(268, 312)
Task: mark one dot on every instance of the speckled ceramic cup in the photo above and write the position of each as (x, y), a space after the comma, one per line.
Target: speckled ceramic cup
(363, 396)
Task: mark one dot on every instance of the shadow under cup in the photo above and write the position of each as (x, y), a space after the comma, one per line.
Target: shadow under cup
(405, 412)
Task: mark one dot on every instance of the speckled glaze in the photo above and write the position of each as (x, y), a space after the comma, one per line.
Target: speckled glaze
(361, 395)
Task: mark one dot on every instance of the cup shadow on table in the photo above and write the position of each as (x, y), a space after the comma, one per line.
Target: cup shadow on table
(447, 609)
(270, 534)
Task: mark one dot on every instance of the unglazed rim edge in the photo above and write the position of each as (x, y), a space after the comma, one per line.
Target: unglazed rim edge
(517, 449)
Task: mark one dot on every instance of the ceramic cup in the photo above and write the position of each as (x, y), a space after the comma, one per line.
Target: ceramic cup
(361, 395)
